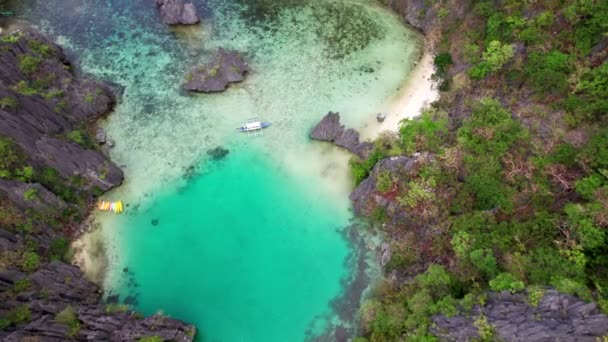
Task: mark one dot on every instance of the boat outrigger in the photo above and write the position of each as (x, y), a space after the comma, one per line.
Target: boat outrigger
(253, 125)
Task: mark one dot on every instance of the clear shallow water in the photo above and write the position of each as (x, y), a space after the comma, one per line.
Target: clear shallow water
(250, 248)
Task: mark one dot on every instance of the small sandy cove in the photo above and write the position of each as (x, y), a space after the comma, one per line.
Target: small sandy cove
(417, 92)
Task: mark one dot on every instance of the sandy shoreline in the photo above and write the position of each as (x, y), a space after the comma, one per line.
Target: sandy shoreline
(418, 91)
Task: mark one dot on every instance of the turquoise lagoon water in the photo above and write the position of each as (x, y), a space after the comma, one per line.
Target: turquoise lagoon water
(255, 246)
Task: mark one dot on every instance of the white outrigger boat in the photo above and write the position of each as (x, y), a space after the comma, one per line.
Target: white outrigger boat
(253, 125)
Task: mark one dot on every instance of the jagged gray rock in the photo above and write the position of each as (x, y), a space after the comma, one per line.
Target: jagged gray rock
(366, 198)
(176, 12)
(227, 67)
(52, 110)
(41, 199)
(558, 317)
(43, 102)
(57, 285)
(329, 129)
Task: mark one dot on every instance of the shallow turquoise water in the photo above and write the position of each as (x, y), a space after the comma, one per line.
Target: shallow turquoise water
(253, 247)
(254, 257)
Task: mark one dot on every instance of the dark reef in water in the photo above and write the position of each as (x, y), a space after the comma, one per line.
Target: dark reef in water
(218, 153)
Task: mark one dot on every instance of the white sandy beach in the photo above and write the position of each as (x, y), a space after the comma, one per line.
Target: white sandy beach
(417, 92)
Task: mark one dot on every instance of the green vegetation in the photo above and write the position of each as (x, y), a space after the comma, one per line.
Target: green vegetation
(21, 285)
(41, 48)
(17, 315)
(8, 102)
(30, 194)
(11, 158)
(30, 261)
(151, 339)
(68, 317)
(514, 196)
(496, 55)
(361, 168)
(82, 138)
(88, 98)
(114, 308)
(29, 64)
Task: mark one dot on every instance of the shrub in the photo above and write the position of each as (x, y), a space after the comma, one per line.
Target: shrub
(506, 281)
(40, 47)
(151, 339)
(68, 317)
(116, 308)
(30, 194)
(484, 261)
(588, 185)
(30, 261)
(535, 295)
(88, 98)
(19, 314)
(435, 278)
(8, 102)
(21, 285)
(28, 64)
(10, 158)
(59, 248)
(360, 169)
(24, 88)
(424, 133)
(496, 55)
(384, 181)
(442, 62)
(485, 330)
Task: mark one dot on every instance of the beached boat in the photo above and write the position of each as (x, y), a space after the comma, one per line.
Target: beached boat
(254, 124)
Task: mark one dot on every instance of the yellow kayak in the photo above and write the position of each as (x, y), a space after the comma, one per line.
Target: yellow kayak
(115, 207)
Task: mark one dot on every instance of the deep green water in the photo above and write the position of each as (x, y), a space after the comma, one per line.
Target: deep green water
(256, 246)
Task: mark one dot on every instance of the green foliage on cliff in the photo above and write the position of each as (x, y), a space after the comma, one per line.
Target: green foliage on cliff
(68, 317)
(515, 194)
(29, 64)
(151, 339)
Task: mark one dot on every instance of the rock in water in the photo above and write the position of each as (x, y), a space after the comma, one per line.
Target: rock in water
(176, 12)
(330, 129)
(227, 67)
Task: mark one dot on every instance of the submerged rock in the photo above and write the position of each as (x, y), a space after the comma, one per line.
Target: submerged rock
(330, 129)
(218, 153)
(177, 12)
(227, 67)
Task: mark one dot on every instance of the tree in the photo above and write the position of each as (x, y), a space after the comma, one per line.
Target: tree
(494, 58)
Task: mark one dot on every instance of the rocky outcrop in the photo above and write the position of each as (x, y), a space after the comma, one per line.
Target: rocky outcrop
(424, 15)
(227, 67)
(31, 196)
(58, 287)
(558, 317)
(176, 12)
(44, 104)
(329, 129)
(45, 115)
(366, 198)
